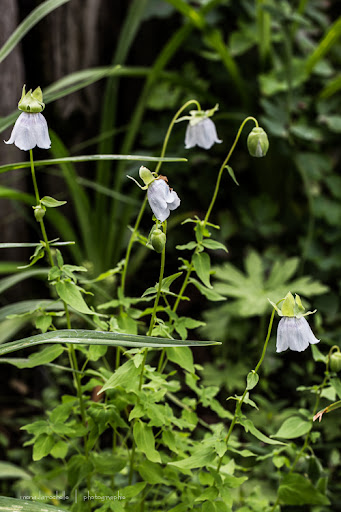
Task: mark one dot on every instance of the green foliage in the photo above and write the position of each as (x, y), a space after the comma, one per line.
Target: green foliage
(127, 402)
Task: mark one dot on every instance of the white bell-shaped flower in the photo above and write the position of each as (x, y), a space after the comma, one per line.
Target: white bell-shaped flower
(162, 199)
(201, 133)
(294, 333)
(29, 131)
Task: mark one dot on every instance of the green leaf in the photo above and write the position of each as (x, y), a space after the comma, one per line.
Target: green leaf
(207, 292)
(145, 441)
(84, 337)
(13, 504)
(88, 158)
(202, 267)
(324, 46)
(42, 446)
(150, 472)
(8, 470)
(50, 202)
(231, 173)
(293, 427)
(43, 322)
(190, 246)
(60, 449)
(295, 489)
(249, 427)
(28, 23)
(126, 376)
(14, 279)
(43, 357)
(252, 380)
(182, 356)
(213, 244)
(71, 294)
(204, 456)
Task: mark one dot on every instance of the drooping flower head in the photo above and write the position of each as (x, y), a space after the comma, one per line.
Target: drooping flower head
(162, 199)
(201, 130)
(293, 330)
(30, 128)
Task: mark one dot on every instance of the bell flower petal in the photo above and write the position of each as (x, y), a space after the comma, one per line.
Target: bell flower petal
(295, 334)
(29, 131)
(202, 134)
(161, 199)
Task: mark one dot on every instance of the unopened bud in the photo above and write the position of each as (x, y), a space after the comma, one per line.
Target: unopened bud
(335, 361)
(158, 240)
(257, 142)
(146, 175)
(39, 212)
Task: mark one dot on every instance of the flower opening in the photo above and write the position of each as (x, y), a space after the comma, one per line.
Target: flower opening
(295, 334)
(29, 131)
(161, 198)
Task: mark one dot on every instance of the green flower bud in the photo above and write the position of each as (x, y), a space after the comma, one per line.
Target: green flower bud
(257, 142)
(31, 102)
(335, 361)
(158, 240)
(146, 175)
(39, 212)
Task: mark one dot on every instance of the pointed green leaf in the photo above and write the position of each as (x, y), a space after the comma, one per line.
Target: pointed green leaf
(145, 441)
(296, 490)
(71, 294)
(182, 356)
(202, 267)
(50, 202)
(13, 504)
(231, 173)
(42, 446)
(213, 244)
(293, 427)
(84, 337)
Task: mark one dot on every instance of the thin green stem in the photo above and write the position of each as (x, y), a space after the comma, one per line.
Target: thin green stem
(143, 206)
(158, 294)
(241, 400)
(307, 437)
(150, 330)
(216, 190)
(213, 200)
(71, 349)
(42, 226)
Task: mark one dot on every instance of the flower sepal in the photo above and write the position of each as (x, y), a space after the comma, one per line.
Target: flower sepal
(291, 307)
(31, 102)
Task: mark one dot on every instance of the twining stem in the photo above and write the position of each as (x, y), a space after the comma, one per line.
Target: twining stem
(71, 349)
(143, 206)
(213, 200)
(241, 400)
(307, 437)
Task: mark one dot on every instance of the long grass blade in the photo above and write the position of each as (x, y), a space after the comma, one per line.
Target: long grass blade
(88, 158)
(113, 339)
(25, 26)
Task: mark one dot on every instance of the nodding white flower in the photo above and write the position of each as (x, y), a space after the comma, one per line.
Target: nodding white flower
(201, 130)
(293, 330)
(203, 134)
(29, 131)
(161, 198)
(295, 334)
